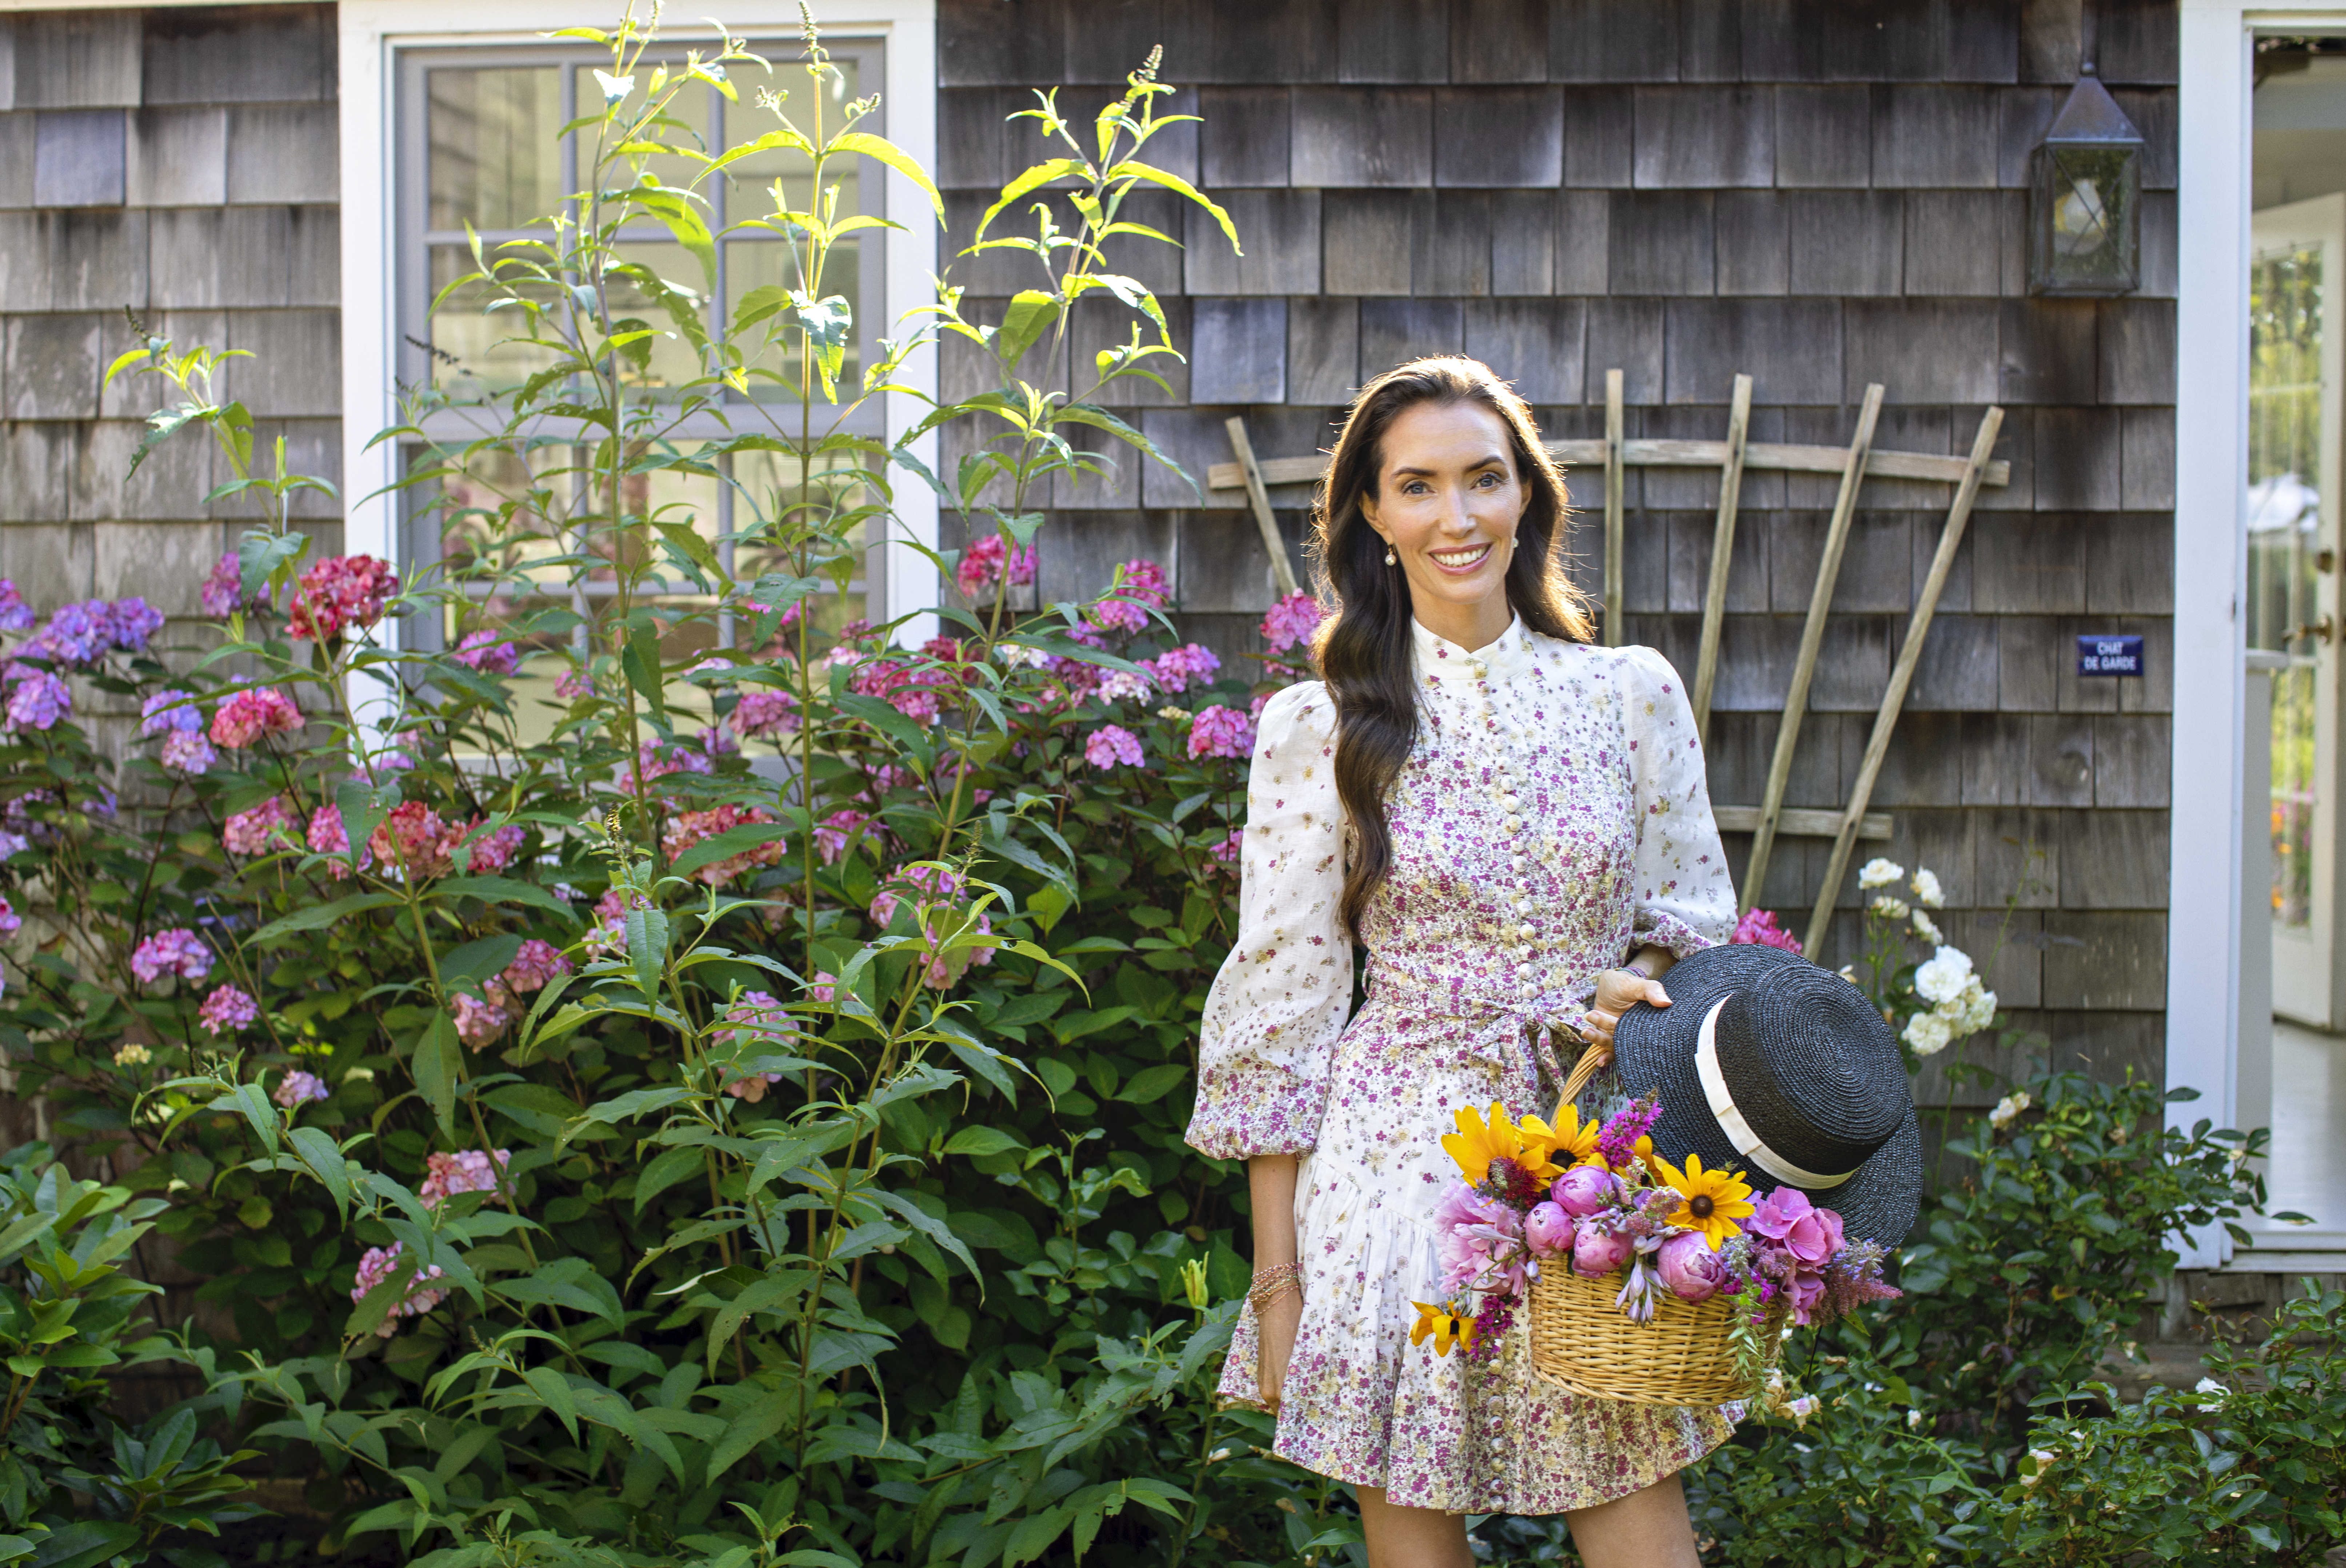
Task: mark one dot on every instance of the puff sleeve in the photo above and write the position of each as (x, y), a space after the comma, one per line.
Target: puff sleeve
(1685, 898)
(1284, 993)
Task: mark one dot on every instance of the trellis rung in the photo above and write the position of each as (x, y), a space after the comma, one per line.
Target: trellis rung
(1646, 453)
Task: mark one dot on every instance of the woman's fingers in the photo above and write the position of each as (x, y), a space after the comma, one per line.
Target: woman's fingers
(1655, 995)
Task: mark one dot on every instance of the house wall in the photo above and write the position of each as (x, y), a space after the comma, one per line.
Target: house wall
(1820, 194)
(179, 163)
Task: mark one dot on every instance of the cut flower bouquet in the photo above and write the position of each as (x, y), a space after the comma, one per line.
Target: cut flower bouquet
(1590, 1210)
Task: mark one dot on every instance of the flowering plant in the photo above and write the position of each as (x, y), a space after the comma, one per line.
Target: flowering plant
(1594, 1198)
(1936, 1001)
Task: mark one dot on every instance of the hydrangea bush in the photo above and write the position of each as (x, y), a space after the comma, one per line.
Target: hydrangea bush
(726, 1108)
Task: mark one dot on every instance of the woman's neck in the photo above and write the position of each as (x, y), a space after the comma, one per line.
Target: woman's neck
(1470, 627)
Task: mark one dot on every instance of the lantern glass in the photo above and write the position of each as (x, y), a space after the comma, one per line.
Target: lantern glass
(2085, 231)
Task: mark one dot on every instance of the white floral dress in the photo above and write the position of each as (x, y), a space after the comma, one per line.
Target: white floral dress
(1551, 818)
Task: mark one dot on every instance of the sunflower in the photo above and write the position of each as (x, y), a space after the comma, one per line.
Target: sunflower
(1570, 1140)
(1447, 1328)
(1476, 1142)
(1713, 1200)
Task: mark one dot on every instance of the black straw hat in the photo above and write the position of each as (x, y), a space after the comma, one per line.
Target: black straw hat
(1770, 1066)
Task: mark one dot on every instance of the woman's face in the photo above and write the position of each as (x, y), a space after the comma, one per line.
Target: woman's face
(1448, 502)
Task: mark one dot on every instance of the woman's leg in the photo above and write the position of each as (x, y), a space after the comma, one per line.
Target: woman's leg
(1411, 1537)
(1646, 1529)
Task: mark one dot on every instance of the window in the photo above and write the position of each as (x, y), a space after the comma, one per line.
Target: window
(479, 145)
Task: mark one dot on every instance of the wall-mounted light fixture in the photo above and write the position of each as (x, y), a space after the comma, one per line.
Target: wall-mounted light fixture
(2085, 223)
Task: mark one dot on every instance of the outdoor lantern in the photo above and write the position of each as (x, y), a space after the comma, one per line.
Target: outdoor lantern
(2085, 228)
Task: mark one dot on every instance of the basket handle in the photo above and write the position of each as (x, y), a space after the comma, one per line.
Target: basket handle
(1593, 1060)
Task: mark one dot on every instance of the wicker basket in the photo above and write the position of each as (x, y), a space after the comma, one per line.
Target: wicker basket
(1583, 1343)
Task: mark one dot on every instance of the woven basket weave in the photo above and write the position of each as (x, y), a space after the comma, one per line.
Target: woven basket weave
(1583, 1343)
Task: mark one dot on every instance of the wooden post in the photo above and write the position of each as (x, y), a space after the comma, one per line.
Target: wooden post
(1613, 476)
(1812, 634)
(1901, 677)
(1722, 550)
(1282, 571)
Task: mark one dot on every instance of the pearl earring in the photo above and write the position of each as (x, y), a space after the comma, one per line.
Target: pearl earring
(1389, 555)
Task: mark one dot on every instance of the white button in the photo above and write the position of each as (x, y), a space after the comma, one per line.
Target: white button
(1509, 801)
(1528, 931)
(1514, 824)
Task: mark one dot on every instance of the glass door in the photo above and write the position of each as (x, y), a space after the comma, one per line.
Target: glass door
(2296, 333)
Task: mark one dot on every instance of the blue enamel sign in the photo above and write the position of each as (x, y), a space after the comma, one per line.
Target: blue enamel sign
(2108, 655)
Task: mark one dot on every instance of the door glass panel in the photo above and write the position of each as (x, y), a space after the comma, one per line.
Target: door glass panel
(2284, 514)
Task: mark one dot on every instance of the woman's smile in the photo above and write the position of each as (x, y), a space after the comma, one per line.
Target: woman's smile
(1461, 559)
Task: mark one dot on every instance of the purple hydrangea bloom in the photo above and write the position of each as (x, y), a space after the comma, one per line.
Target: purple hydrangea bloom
(16, 615)
(227, 1011)
(73, 635)
(187, 752)
(169, 710)
(130, 622)
(489, 653)
(38, 701)
(297, 1088)
(176, 951)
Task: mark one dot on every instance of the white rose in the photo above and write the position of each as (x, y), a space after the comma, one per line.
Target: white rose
(1888, 908)
(2214, 1390)
(1927, 929)
(1879, 873)
(1926, 889)
(1974, 1010)
(1928, 1034)
(2008, 1108)
(1941, 977)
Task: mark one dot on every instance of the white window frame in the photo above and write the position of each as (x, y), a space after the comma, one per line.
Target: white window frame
(372, 33)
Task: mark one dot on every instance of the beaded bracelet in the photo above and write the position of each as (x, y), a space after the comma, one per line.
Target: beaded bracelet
(1271, 1283)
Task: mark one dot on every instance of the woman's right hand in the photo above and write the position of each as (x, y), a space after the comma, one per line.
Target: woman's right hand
(1275, 1327)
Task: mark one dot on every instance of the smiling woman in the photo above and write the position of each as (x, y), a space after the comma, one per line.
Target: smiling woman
(1500, 813)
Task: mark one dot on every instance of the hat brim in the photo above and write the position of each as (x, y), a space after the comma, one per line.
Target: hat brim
(1653, 1050)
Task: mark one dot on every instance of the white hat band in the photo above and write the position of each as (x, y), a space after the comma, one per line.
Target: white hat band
(1730, 1120)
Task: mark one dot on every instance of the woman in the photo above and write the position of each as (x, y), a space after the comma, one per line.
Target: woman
(1513, 823)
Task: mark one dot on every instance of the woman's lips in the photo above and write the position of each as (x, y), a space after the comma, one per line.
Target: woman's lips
(1459, 566)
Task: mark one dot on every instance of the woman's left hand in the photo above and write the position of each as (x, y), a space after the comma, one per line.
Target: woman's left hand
(1618, 991)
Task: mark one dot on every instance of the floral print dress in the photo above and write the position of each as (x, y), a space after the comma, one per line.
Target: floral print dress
(1551, 818)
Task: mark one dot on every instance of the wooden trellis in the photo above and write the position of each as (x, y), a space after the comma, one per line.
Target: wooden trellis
(1734, 456)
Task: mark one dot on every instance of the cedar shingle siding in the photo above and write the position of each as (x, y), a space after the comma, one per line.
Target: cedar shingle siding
(1822, 195)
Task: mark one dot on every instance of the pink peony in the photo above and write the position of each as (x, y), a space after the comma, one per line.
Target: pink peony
(37, 700)
(1787, 1217)
(1292, 621)
(1111, 745)
(488, 652)
(1759, 927)
(228, 1011)
(1584, 1190)
(339, 593)
(445, 1175)
(169, 712)
(252, 713)
(984, 562)
(381, 1263)
(1221, 732)
(766, 712)
(1176, 669)
(176, 951)
(254, 831)
(298, 1088)
(1480, 1240)
(1596, 1252)
(1548, 1230)
(1690, 1270)
(188, 753)
(537, 962)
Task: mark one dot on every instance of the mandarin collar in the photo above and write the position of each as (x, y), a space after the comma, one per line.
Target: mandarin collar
(1438, 658)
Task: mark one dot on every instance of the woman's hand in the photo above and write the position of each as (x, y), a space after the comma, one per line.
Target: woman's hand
(1618, 991)
(1275, 1328)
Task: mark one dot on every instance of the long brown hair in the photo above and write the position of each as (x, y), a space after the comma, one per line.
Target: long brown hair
(1366, 650)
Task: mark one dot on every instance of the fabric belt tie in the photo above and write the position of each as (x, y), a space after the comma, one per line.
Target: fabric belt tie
(1517, 1042)
(1730, 1120)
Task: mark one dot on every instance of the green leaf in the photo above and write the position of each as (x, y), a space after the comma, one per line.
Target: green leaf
(640, 662)
(724, 846)
(690, 546)
(317, 917)
(1153, 1084)
(753, 1426)
(1030, 315)
(476, 962)
(895, 157)
(252, 1103)
(437, 1064)
(648, 948)
(324, 1160)
(672, 1167)
(508, 891)
(554, 1390)
(363, 806)
(981, 1141)
(84, 1544)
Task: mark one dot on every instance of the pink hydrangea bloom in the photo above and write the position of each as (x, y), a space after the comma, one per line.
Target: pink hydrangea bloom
(254, 831)
(572, 685)
(10, 920)
(445, 1175)
(223, 590)
(686, 829)
(491, 653)
(188, 753)
(1176, 669)
(339, 593)
(1122, 685)
(297, 1088)
(756, 1021)
(659, 758)
(830, 837)
(381, 1263)
(1292, 621)
(414, 837)
(1226, 853)
(169, 711)
(983, 563)
(765, 711)
(176, 951)
(537, 962)
(228, 1011)
(1112, 745)
(326, 835)
(493, 852)
(252, 713)
(1759, 927)
(1221, 731)
(930, 885)
(479, 1022)
(131, 622)
(824, 988)
(1139, 587)
(16, 615)
(37, 700)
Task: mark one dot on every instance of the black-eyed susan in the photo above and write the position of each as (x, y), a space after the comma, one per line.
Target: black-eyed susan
(1570, 1142)
(1478, 1142)
(1446, 1327)
(1711, 1202)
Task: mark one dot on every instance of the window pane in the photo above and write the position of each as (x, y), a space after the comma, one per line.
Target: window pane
(770, 263)
(673, 360)
(473, 355)
(493, 161)
(687, 106)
